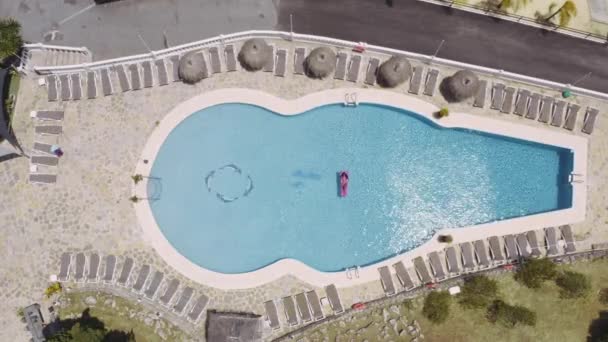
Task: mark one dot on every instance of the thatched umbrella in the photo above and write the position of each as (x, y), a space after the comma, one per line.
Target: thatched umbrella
(394, 71)
(192, 67)
(460, 86)
(254, 54)
(320, 62)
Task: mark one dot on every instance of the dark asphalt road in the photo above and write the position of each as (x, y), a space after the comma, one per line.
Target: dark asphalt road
(419, 27)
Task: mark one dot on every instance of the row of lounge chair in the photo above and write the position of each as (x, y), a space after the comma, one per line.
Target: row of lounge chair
(41, 152)
(143, 282)
(134, 76)
(534, 106)
(304, 307)
(480, 254)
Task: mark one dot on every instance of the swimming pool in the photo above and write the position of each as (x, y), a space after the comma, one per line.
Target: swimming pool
(236, 187)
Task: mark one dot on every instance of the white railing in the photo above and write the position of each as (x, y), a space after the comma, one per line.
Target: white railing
(223, 39)
(40, 46)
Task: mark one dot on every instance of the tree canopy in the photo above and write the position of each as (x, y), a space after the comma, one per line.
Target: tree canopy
(10, 37)
(478, 292)
(510, 315)
(437, 306)
(534, 272)
(573, 284)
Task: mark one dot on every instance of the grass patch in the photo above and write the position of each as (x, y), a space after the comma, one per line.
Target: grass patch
(13, 90)
(557, 319)
(119, 314)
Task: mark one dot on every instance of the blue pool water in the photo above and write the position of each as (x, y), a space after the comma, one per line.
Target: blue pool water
(236, 187)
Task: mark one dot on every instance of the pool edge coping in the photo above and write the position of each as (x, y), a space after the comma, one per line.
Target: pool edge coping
(269, 273)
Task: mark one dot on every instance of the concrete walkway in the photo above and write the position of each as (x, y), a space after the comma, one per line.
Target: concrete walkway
(417, 26)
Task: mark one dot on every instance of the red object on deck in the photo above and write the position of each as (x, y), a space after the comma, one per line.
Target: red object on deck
(431, 285)
(343, 183)
(359, 306)
(359, 48)
(508, 267)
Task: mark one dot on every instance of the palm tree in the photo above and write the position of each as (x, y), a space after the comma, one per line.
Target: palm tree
(10, 37)
(566, 12)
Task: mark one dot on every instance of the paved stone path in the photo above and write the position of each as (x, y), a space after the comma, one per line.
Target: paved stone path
(88, 209)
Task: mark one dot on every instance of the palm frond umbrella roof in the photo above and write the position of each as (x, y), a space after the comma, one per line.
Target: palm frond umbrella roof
(320, 62)
(254, 54)
(192, 67)
(394, 71)
(460, 86)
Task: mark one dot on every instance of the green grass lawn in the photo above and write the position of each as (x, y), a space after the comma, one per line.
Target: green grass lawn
(118, 316)
(557, 319)
(13, 90)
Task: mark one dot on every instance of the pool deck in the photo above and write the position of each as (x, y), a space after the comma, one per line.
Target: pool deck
(368, 273)
(103, 139)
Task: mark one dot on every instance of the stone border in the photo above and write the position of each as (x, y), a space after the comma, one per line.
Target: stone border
(366, 274)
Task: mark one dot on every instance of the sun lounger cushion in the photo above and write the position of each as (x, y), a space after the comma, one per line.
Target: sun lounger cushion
(315, 305)
(416, 80)
(161, 69)
(571, 116)
(498, 94)
(281, 63)
(334, 298)
(387, 280)
(340, 72)
(272, 314)
(183, 300)
(91, 85)
(431, 82)
(590, 118)
(480, 96)
(169, 292)
(534, 106)
(290, 310)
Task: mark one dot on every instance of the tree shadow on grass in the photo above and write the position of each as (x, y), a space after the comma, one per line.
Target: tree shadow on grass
(88, 322)
(598, 329)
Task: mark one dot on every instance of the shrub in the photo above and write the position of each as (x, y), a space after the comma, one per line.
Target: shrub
(52, 289)
(445, 238)
(573, 284)
(534, 272)
(443, 112)
(134, 199)
(478, 292)
(510, 315)
(603, 296)
(437, 306)
(137, 178)
(10, 37)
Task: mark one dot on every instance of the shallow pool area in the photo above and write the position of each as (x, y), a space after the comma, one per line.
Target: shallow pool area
(235, 187)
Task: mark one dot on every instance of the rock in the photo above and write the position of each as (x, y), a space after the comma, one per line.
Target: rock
(385, 315)
(402, 332)
(394, 309)
(90, 300)
(148, 321)
(162, 334)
